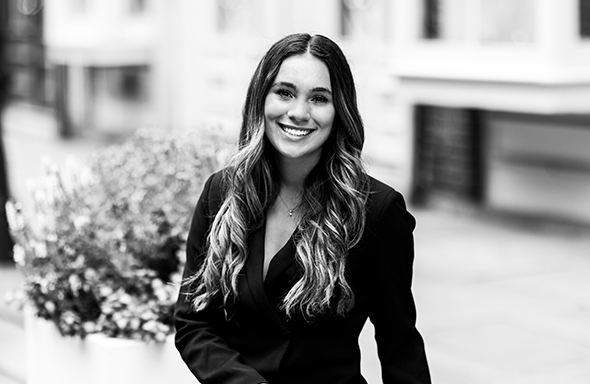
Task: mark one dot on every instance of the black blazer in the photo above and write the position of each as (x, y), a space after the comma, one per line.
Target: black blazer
(257, 343)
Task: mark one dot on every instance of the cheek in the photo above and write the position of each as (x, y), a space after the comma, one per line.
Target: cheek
(326, 117)
(272, 109)
(270, 114)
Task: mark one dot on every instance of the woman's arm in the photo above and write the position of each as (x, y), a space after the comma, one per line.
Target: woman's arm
(399, 344)
(198, 337)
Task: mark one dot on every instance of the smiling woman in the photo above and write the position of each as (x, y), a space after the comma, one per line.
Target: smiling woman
(298, 110)
(293, 246)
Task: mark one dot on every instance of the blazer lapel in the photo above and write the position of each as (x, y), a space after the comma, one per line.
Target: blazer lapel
(254, 278)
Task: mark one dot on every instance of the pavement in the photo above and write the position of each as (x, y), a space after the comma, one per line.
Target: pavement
(500, 299)
(503, 302)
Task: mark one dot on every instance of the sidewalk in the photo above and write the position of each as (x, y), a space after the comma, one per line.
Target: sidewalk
(503, 303)
(499, 301)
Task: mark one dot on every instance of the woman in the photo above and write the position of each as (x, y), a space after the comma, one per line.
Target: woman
(293, 246)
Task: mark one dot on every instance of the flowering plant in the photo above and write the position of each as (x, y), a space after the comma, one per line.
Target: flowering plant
(106, 251)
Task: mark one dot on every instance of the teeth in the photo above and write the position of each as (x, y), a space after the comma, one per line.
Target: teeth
(296, 132)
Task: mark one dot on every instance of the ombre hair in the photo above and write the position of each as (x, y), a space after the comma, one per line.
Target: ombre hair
(333, 200)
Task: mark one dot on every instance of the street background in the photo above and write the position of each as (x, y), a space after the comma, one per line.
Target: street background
(476, 110)
(500, 299)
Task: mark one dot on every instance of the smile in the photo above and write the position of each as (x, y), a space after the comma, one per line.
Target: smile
(295, 131)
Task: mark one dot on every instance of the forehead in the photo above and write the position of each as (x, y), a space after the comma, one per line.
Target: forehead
(304, 70)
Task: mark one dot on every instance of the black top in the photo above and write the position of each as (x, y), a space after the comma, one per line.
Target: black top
(254, 342)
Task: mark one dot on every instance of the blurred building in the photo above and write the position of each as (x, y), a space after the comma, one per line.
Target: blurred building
(478, 102)
(496, 95)
(101, 53)
(88, 60)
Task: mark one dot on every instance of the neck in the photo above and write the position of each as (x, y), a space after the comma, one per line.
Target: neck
(294, 171)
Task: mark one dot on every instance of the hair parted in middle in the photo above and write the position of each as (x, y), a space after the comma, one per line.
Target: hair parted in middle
(333, 200)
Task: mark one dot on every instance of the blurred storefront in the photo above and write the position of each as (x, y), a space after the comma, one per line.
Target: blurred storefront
(499, 92)
(88, 61)
(477, 102)
(101, 54)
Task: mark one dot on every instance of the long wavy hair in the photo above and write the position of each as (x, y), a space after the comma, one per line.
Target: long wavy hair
(333, 201)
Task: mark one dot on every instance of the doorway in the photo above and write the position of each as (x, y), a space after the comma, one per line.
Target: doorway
(448, 161)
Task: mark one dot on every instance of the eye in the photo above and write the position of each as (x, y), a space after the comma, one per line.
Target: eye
(319, 99)
(284, 93)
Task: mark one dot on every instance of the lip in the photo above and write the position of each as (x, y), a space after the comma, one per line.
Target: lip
(295, 131)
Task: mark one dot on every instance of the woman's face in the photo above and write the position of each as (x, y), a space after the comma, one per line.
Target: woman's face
(299, 109)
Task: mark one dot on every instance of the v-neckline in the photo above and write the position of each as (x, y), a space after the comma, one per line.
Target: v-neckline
(262, 289)
(280, 260)
(279, 251)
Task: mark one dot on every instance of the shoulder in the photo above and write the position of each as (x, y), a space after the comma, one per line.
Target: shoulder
(381, 196)
(212, 193)
(214, 184)
(385, 204)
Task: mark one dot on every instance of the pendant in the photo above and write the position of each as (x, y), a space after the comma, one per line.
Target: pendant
(290, 212)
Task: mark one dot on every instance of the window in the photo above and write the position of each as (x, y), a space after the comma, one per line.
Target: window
(29, 7)
(431, 19)
(510, 21)
(351, 22)
(232, 16)
(449, 154)
(365, 18)
(444, 19)
(585, 19)
(137, 6)
(78, 6)
(484, 21)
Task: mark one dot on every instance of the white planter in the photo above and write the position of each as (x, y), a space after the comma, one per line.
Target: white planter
(52, 358)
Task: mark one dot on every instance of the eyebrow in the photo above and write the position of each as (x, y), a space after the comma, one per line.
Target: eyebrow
(291, 85)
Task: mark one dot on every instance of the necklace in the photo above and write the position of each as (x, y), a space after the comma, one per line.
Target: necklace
(290, 209)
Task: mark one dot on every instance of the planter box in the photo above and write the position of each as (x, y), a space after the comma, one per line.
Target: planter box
(52, 358)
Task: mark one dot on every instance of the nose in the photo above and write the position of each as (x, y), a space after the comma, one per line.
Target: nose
(299, 111)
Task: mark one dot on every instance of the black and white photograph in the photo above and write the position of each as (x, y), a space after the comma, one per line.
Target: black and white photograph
(295, 191)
